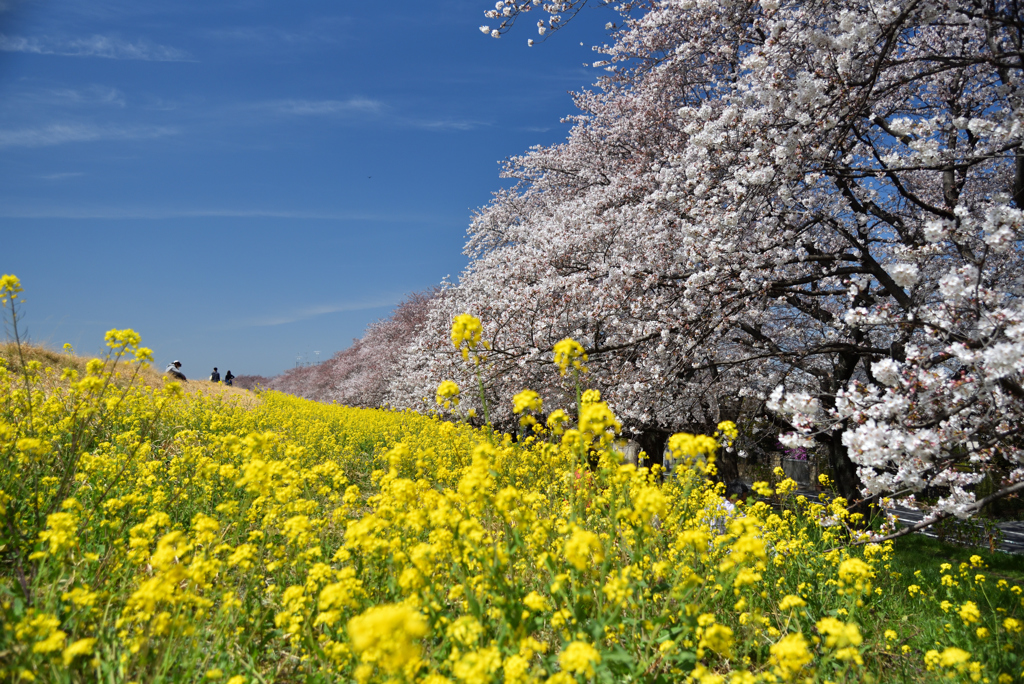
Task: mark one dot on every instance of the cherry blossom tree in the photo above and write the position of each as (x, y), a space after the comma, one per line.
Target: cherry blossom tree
(251, 382)
(359, 375)
(810, 210)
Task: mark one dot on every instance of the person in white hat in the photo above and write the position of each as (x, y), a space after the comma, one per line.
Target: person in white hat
(174, 370)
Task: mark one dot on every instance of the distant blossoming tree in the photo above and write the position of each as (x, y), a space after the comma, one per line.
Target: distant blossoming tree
(358, 375)
(812, 208)
(251, 382)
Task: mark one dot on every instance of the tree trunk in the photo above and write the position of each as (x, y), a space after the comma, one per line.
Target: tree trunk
(844, 472)
(727, 465)
(652, 441)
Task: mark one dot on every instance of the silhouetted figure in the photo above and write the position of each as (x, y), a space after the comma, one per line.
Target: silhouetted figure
(174, 370)
(214, 376)
(228, 378)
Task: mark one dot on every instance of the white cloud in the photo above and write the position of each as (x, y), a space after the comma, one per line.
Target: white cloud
(92, 95)
(324, 31)
(60, 176)
(353, 105)
(308, 312)
(444, 124)
(58, 134)
(106, 47)
(28, 104)
(159, 214)
(381, 111)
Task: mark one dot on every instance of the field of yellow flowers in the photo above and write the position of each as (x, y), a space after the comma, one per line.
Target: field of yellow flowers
(154, 535)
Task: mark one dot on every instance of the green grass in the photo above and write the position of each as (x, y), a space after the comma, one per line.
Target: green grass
(918, 552)
(919, 621)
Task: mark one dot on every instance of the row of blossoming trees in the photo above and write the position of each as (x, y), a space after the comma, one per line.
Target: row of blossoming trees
(806, 213)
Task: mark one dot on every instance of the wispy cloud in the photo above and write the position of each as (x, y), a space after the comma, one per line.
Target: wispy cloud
(326, 30)
(353, 105)
(159, 214)
(59, 134)
(29, 104)
(106, 47)
(60, 176)
(357, 106)
(10, 5)
(314, 311)
(91, 95)
(442, 124)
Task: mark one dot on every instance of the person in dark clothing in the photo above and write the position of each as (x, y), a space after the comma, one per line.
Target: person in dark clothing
(214, 376)
(174, 370)
(228, 377)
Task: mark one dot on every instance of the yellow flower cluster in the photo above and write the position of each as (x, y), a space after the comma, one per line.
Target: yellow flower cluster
(447, 394)
(527, 400)
(598, 422)
(387, 636)
(243, 538)
(569, 354)
(466, 333)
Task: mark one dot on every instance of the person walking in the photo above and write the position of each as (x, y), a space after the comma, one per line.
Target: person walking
(228, 377)
(214, 376)
(174, 370)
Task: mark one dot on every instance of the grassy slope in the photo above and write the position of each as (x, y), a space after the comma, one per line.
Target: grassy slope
(152, 377)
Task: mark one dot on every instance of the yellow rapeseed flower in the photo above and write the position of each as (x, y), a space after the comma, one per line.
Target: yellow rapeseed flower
(617, 587)
(581, 547)
(569, 353)
(969, 612)
(683, 445)
(728, 430)
(61, 532)
(598, 421)
(579, 657)
(466, 333)
(855, 572)
(447, 394)
(719, 639)
(467, 630)
(526, 400)
(557, 420)
(477, 667)
(790, 601)
(839, 634)
(951, 659)
(536, 602)
(78, 648)
(790, 655)
(10, 287)
(387, 635)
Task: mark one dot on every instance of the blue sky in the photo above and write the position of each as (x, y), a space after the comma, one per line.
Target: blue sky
(244, 182)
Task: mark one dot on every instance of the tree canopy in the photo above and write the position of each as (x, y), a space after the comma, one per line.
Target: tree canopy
(807, 213)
